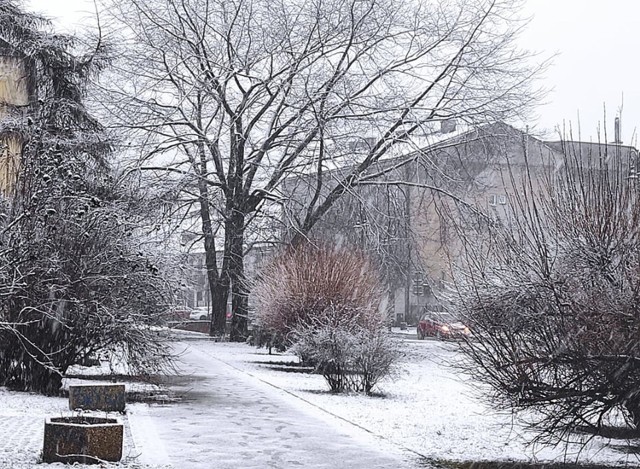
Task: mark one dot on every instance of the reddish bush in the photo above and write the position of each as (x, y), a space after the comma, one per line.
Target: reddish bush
(307, 281)
(327, 302)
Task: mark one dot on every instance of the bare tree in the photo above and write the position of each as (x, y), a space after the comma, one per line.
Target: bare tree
(237, 96)
(551, 292)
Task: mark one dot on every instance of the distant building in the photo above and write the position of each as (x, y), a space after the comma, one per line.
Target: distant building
(402, 219)
(196, 291)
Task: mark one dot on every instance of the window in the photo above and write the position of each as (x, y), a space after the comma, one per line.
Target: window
(493, 200)
(502, 200)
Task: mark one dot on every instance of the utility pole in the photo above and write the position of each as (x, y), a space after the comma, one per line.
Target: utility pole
(407, 232)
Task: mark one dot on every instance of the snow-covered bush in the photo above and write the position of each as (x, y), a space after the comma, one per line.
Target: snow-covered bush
(303, 281)
(350, 356)
(327, 301)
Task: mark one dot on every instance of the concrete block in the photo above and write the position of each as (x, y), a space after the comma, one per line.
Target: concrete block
(105, 397)
(82, 439)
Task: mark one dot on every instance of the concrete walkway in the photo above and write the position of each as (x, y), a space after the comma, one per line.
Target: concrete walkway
(229, 419)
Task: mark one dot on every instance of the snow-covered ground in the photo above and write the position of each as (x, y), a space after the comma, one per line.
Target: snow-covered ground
(429, 408)
(22, 417)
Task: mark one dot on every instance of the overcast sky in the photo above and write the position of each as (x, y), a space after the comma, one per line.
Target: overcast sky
(597, 63)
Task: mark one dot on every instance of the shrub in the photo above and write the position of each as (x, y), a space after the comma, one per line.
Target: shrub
(349, 356)
(303, 281)
(552, 297)
(327, 302)
(72, 287)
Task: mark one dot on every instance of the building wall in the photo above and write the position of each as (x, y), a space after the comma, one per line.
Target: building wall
(10, 151)
(486, 173)
(13, 82)
(14, 95)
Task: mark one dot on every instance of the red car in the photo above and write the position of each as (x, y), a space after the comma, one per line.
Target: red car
(441, 326)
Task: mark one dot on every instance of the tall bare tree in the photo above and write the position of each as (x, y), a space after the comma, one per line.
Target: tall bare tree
(235, 96)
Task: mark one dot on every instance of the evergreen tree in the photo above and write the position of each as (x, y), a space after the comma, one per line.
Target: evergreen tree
(73, 280)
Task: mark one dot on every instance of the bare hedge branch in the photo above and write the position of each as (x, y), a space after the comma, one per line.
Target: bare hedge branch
(551, 293)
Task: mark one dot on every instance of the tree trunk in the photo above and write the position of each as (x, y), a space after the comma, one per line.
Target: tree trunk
(217, 281)
(239, 299)
(219, 289)
(234, 232)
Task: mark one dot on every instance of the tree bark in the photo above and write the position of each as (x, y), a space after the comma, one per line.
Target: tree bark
(217, 280)
(239, 300)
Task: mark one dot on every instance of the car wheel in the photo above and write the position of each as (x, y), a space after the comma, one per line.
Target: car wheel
(202, 318)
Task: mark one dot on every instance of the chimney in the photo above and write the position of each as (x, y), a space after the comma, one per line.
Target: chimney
(448, 126)
(618, 140)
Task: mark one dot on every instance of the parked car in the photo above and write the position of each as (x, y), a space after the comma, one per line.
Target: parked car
(441, 326)
(201, 313)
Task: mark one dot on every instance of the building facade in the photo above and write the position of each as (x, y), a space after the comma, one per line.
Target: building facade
(14, 99)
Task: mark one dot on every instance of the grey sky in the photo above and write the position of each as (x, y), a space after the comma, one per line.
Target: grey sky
(597, 43)
(596, 65)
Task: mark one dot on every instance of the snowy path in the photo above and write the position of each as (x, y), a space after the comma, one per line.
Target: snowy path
(229, 419)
